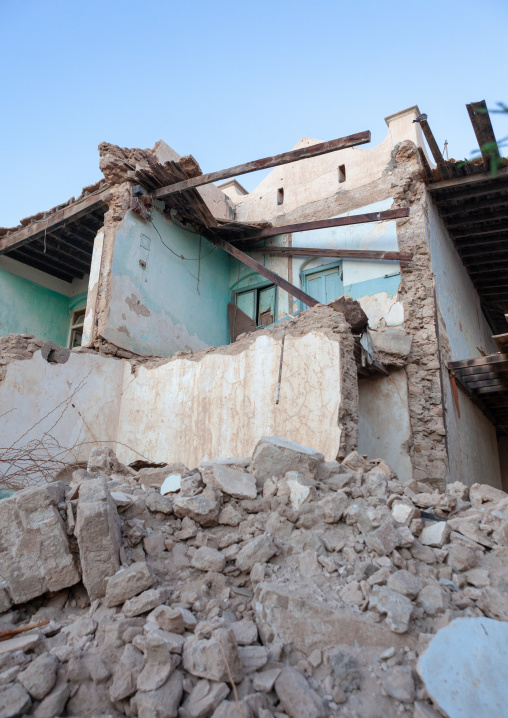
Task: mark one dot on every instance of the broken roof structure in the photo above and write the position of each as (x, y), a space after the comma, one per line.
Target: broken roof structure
(156, 261)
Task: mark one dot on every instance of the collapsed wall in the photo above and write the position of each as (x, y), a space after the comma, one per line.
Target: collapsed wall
(214, 403)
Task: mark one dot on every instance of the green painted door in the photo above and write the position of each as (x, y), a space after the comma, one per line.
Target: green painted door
(324, 285)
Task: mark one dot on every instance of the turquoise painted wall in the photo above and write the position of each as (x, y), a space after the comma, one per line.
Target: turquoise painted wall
(156, 306)
(28, 308)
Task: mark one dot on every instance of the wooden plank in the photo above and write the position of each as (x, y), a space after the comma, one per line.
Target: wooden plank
(479, 177)
(65, 215)
(480, 370)
(425, 164)
(433, 146)
(265, 272)
(388, 214)
(482, 126)
(285, 158)
(463, 209)
(477, 219)
(479, 232)
(339, 253)
(487, 382)
(479, 361)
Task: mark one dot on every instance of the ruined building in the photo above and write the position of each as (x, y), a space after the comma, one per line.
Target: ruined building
(158, 275)
(252, 445)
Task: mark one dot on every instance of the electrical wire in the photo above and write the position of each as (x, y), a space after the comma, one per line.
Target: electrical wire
(187, 259)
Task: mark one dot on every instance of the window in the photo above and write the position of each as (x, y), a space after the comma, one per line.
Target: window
(77, 321)
(342, 173)
(280, 195)
(324, 283)
(258, 304)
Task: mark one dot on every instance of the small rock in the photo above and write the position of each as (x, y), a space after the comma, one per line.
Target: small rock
(461, 558)
(399, 684)
(40, 676)
(477, 577)
(253, 658)
(162, 702)
(237, 484)
(246, 632)
(208, 559)
(146, 601)
(14, 701)
(206, 658)
(169, 619)
(396, 607)
(259, 550)
(204, 699)
(203, 508)
(297, 697)
(435, 534)
(265, 680)
(229, 516)
(383, 540)
(432, 599)
(128, 582)
(54, 703)
(405, 583)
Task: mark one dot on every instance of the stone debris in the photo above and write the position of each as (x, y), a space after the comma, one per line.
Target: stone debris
(315, 588)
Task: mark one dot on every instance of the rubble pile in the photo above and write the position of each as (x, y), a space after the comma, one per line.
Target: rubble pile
(277, 586)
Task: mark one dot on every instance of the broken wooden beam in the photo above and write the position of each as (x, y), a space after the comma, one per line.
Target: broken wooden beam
(275, 161)
(57, 219)
(431, 141)
(384, 216)
(484, 132)
(339, 253)
(265, 272)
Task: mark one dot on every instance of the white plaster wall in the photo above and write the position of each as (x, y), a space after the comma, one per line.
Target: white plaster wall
(464, 331)
(67, 405)
(218, 406)
(384, 429)
(315, 178)
(221, 405)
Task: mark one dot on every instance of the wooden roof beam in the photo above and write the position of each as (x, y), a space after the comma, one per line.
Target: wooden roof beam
(388, 214)
(339, 253)
(482, 126)
(264, 271)
(303, 153)
(446, 212)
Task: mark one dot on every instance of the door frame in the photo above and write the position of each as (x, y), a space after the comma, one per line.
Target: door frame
(304, 273)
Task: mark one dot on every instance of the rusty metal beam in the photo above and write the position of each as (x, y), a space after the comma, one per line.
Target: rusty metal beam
(265, 272)
(275, 161)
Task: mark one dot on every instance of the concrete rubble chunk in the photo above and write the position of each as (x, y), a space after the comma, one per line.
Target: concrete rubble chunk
(128, 582)
(98, 534)
(259, 550)
(246, 632)
(300, 618)
(126, 673)
(397, 608)
(432, 599)
(275, 456)
(297, 697)
(253, 658)
(102, 458)
(204, 699)
(208, 559)
(237, 484)
(162, 702)
(483, 493)
(146, 601)
(14, 701)
(435, 534)
(40, 676)
(208, 657)
(171, 484)
(405, 583)
(461, 558)
(35, 556)
(265, 680)
(383, 540)
(169, 619)
(202, 509)
(399, 684)
(464, 668)
(54, 703)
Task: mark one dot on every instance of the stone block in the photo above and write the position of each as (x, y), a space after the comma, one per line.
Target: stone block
(128, 582)
(98, 534)
(237, 484)
(274, 456)
(297, 697)
(34, 547)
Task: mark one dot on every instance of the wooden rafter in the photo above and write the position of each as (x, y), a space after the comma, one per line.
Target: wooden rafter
(482, 126)
(58, 219)
(389, 214)
(275, 161)
(339, 253)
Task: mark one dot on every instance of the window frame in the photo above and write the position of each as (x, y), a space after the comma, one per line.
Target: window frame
(77, 322)
(258, 288)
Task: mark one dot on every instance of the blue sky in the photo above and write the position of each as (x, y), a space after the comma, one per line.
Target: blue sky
(229, 81)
